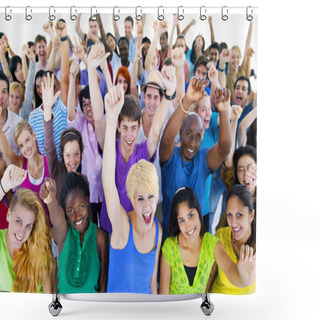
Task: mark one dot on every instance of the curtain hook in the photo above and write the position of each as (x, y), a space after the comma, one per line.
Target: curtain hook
(28, 16)
(138, 16)
(73, 11)
(180, 15)
(93, 16)
(224, 13)
(203, 16)
(160, 16)
(7, 16)
(249, 16)
(52, 16)
(116, 17)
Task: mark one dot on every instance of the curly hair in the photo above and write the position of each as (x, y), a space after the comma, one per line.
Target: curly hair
(34, 260)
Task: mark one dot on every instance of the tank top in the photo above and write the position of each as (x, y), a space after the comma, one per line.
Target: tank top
(129, 270)
(35, 185)
(79, 266)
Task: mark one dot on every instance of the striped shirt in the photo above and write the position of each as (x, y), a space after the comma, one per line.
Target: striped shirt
(60, 123)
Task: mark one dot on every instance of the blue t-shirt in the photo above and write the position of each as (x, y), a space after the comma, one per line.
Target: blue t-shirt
(207, 89)
(177, 173)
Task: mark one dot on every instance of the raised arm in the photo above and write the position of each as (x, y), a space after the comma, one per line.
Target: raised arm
(248, 44)
(168, 78)
(48, 193)
(96, 57)
(119, 218)
(61, 30)
(194, 93)
(241, 274)
(212, 38)
(52, 58)
(12, 178)
(234, 117)
(79, 31)
(224, 58)
(220, 150)
(177, 59)
(47, 28)
(174, 24)
(116, 29)
(135, 67)
(71, 105)
(24, 61)
(161, 27)
(4, 63)
(244, 125)
(104, 38)
(190, 24)
(249, 54)
(78, 51)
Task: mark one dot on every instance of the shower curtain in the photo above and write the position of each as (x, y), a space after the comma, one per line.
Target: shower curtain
(197, 66)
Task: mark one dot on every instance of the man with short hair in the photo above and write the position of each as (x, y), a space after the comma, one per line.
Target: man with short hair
(188, 165)
(8, 119)
(40, 43)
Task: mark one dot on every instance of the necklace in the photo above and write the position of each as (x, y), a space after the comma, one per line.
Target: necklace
(236, 248)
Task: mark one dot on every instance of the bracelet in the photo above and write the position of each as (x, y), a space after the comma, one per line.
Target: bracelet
(182, 107)
(222, 69)
(2, 187)
(64, 38)
(170, 98)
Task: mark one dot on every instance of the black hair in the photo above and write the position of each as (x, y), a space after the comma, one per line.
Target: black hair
(201, 61)
(243, 194)
(193, 53)
(3, 77)
(129, 18)
(72, 182)
(14, 65)
(131, 109)
(146, 40)
(36, 97)
(214, 45)
(84, 94)
(184, 194)
(67, 135)
(166, 33)
(123, 39)
(241, 151)
(246, 79)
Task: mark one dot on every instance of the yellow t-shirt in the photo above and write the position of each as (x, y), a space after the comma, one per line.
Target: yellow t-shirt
(221, 283)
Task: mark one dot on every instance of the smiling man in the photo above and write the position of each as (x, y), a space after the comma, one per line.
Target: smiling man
(40, 43)
(189, 165)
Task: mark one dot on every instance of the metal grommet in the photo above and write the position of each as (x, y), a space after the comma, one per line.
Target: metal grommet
(51, 15)
(224, 13)
(203, 15)
(160, 16)
(73, 15)
(249, 16)
(115, 16)
(180, 15)
(93, 16)
(28, 16)
(7, 16)
(138, 16)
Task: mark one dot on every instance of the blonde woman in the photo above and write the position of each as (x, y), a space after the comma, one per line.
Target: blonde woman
(26, 261)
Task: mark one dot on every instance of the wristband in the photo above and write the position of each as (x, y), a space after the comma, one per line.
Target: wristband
(182, 107)
(170, 98)
(2, 187)
(64, 38)
(222, 69)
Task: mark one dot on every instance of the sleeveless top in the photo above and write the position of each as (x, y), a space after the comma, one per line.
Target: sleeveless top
(35, 186)
(221, 283)
(179, 279)
(6, 269)
(129, 270)
(79, 266)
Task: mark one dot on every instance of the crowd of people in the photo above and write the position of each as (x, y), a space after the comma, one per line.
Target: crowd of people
(127, 164)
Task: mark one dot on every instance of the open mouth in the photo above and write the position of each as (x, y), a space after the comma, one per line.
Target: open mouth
(78, 224)
(237, 230)
(129, 142)
(238, 99)
(189, 150)
(147, 217)
(191, 232)
(28, 153)
(18, 238)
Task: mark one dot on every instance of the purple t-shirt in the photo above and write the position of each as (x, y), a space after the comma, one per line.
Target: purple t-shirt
(122, 168)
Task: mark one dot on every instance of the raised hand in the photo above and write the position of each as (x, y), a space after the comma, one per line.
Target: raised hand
(78, 50)
(177, 57)
(251, 175)
(139, 30)
(175, 20)
(56, 43)
(61, 29)
(196, 88)
(113, 101)
(162, 26)
(247, 265)
(47, 27)
(13, 177)
(48, 96)
(138, 54)
(74, 68)
(222, 99)
(168, 78)
(224, 57)
(235, 113)
(213, 74)
(250, 52)
(30, 54)
(97, 55)
(48, 191)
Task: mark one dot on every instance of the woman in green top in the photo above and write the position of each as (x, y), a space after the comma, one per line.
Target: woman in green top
(82, 245)
(26, 261)
(189, 252)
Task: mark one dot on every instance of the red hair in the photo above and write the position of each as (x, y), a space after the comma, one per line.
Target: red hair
(123, 71)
